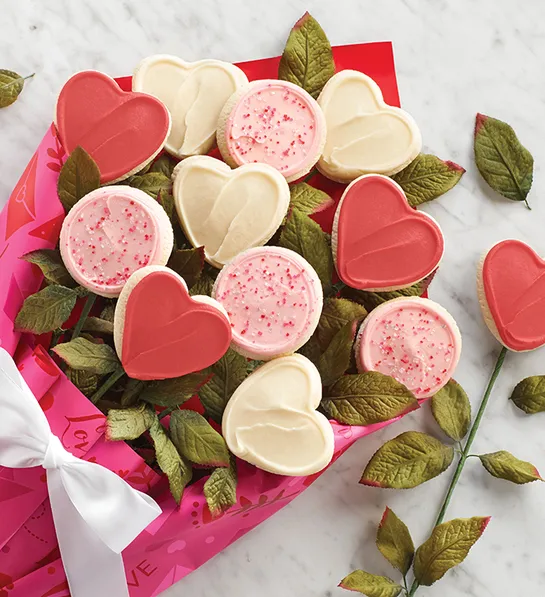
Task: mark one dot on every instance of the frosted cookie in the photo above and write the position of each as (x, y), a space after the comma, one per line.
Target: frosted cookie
(122, 131)
(273, 298)
(112, 232)
(275, 123)
(194, 93)
(161, 332)
(379, 241)
(511, 287)
(228, 211)
(364, 134)
(271, 420)
(414, 340)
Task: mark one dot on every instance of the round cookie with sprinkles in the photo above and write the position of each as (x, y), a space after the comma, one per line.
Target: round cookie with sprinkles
(112, 232)
(272, 122)
(414, 340)
(273, 298)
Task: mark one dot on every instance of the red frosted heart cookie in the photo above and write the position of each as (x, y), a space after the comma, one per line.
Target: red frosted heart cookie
(121, 130)
(161, 332)
(379, 241)
(511, 286)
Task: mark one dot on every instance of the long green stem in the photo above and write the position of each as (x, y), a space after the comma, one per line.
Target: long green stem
(114, 377)
(465, 453)
(90, 301)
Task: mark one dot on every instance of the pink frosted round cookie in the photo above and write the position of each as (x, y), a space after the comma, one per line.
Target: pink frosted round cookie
(111, 233)
(414, 340)
(272, 122)
(273, 298)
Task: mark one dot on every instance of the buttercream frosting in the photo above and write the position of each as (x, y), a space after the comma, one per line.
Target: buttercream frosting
(273, 298)
(228, 211)
(112, 232)
(414, 340)
(194, 93)
(271, 419)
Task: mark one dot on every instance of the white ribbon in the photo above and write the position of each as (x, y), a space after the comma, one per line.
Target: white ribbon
(96, 513)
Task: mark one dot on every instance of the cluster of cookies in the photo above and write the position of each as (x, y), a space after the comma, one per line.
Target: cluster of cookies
(267, 300)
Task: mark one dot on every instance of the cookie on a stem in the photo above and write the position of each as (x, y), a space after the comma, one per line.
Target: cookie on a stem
(273, 298)
(414, 340)
(364, 134)
(121, 130)
(275, 123)
(228, 211)
(511, 288)
(194, 94)
(271, 420)
(112, 232)
(379, 241)
(160, 331)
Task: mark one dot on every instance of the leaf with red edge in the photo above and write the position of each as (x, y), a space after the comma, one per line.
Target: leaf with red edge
(504, 465)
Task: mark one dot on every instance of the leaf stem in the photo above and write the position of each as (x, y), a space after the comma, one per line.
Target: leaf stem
(310, 175)
(465, 454)
(55, 336)
(164, 413)
(28, 77)
(90, 301)
(114, 377)
(527, 204)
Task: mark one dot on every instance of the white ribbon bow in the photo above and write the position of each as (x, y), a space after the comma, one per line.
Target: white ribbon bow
(96, 513)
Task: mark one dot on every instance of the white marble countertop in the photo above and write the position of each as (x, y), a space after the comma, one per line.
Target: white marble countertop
(453, 59)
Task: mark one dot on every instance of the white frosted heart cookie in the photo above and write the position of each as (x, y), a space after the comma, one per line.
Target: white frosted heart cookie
(194, 93)
(228, 211)
(271, 420)
(364, 134)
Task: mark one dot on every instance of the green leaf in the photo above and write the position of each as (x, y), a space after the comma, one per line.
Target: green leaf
(51, 265)
(87, 383)
(427, 177)
(336, 313)
(151, 183)
(367, 398)
(197, 440)
(11, 85)
(371, 585)
(173, 392)
(452, 410)
(132, 390)
(79, 175)
(220, 490)
(504, 465)
(228, 373)
(529, 394)
(394, 541)
(83, 355)
(128, 423)
(407, 461)
(335, 360)
(311, 350)
(308, 200)
(98, 325)
(203, 286)
(166, 199)
(178, 471)
(164, 164)
(188, 263)
(447, 547)
(371, 300)
(304, 236)
(108, 311)
(307, 60)
(46, 310)
(505, 164)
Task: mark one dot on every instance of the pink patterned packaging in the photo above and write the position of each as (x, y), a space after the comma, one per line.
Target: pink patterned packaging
(183, 538)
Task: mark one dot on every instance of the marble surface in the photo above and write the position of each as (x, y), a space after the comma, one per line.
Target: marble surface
(453, 60)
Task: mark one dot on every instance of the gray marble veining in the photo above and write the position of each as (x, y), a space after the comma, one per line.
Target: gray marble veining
(453, 59)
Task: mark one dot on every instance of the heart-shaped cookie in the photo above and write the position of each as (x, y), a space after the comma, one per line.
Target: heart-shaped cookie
(379, 241)
(194, 93)
(364, 134)
(271, 420)
(511, 284)
(228, 211)
(161, 332)
(121, 130)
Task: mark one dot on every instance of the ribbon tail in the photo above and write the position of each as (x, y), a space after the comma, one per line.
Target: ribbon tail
(91, 567)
